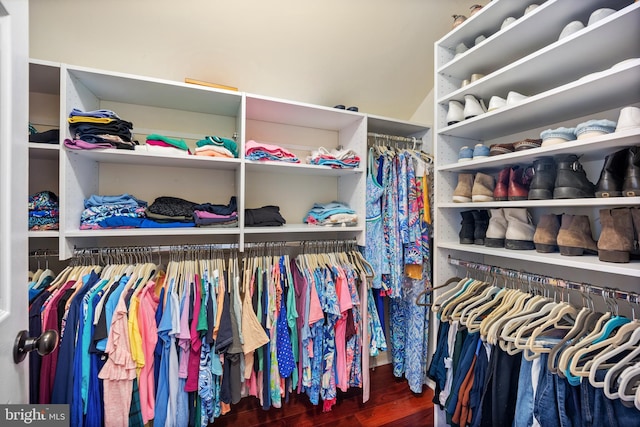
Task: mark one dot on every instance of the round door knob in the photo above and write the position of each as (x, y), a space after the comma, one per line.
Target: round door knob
(44, 344)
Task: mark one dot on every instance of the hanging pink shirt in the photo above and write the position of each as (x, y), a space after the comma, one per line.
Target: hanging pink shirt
(147, 320)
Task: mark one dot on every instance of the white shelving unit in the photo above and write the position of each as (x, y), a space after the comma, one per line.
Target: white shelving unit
(568, 81)
(191, 112)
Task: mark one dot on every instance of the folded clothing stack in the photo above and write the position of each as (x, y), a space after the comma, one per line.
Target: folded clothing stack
(102, 127)
(171, 209)
(216, 146)
(120, 211)
(334, 214)
(262, 151)
(51, 136)
(337, 159)
(212, 215)
(44, 211)
(266, 216)
(162, 144)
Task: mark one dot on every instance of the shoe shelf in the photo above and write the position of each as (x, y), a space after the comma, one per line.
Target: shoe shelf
(584, 262)
(500, 58)
(595, 93)
(589, 150)
(591, 74)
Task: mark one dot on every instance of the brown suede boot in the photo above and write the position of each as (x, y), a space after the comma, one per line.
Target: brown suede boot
(483, 186)
(574, 237)
(462, 193)
(635, 217)
(546, 235)
(616, 238)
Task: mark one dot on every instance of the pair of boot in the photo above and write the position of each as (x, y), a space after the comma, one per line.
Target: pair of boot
(513, 184)
(474, 189)
(565, 179)
(620, 174)
(474, 227)
(620, 236)
(570, 234)
(510, 228)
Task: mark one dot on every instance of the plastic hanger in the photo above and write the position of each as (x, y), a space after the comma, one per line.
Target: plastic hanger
(515, 303)
(584, 323)
(509, 331)
(474, 288)
(437, 304)
(629, 383)
(634, 353)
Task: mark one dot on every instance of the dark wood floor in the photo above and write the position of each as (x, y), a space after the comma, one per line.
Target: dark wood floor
(392, 404)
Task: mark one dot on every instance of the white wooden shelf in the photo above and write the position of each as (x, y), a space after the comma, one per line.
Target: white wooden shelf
(302, 228)
(300, 168)
(47, 234)
(44, 151)
(588, 149)
(584, 262)
(597, 201)
(142, 232)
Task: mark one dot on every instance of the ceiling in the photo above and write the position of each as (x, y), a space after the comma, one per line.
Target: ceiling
(374, 54)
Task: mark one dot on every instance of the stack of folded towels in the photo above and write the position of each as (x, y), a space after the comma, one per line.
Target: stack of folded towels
(102, 128)
(216, 146)
(337, 159)
(43, 211)
(334, 214)
(262, 151)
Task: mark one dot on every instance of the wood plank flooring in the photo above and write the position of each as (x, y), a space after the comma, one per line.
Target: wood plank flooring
(392, 404)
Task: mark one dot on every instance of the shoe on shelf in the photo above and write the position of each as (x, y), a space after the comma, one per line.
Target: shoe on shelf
(473, 107)
(353, 108)
(545, 238)
(479, 40)
(481, 223)
(455, 113)
(475, 9)
(557, 136)
(600, 14)
(497, 149)
(480, 151)
(467, 228)
(483, 186)
(465, 154)
(519, 181)
(631, 183)
(508, 21)
(527, 144)
(612, 175)
(462, 192)
(497, 229)
(465, 82)
(543, 180)
(501, 190)
(530, 8)
(514, 98)
(574, 236)
(629, 119)
(594, 128)
(457, 20)
(571, 180)
(496, 102)
(520, 229)
(339, 107)
(570, 28)
(635, 218)
(475, 77)
(616, 238)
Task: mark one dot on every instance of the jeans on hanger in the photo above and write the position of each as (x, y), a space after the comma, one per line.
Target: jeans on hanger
(598, 410)
(524, 401)
(557, 403)
(437, 371)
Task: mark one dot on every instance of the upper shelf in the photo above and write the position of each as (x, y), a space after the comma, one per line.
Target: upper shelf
(153, 92)
(606, 90)
(573, 57)
(299, 168)
(379, 124)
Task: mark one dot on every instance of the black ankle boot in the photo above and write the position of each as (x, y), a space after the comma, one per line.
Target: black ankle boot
(631, 184)
(468, 228)
(481, 223)
(612, 175)
(571, 180)
(544, 178)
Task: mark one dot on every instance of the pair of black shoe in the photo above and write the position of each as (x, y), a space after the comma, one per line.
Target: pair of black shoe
(474, 227)
(342, 107)
(620, 176)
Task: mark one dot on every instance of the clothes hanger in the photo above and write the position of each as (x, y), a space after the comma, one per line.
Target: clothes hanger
(629, 383)
(630, 346)
(513, 303)
(437, 304)
(476, 287)
(510, 330)
(585, 321)
(429, 290)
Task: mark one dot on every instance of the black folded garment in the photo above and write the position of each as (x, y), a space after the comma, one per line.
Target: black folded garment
(219, 209)
(122, 128)
(266, 216)
(47, 137)
(172, 206)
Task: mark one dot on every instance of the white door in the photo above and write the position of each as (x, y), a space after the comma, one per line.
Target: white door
(14, 95)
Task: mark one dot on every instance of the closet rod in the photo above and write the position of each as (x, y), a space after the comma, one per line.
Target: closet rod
(409, 140)
(162, 248)
(559, 283)
(39, 253)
